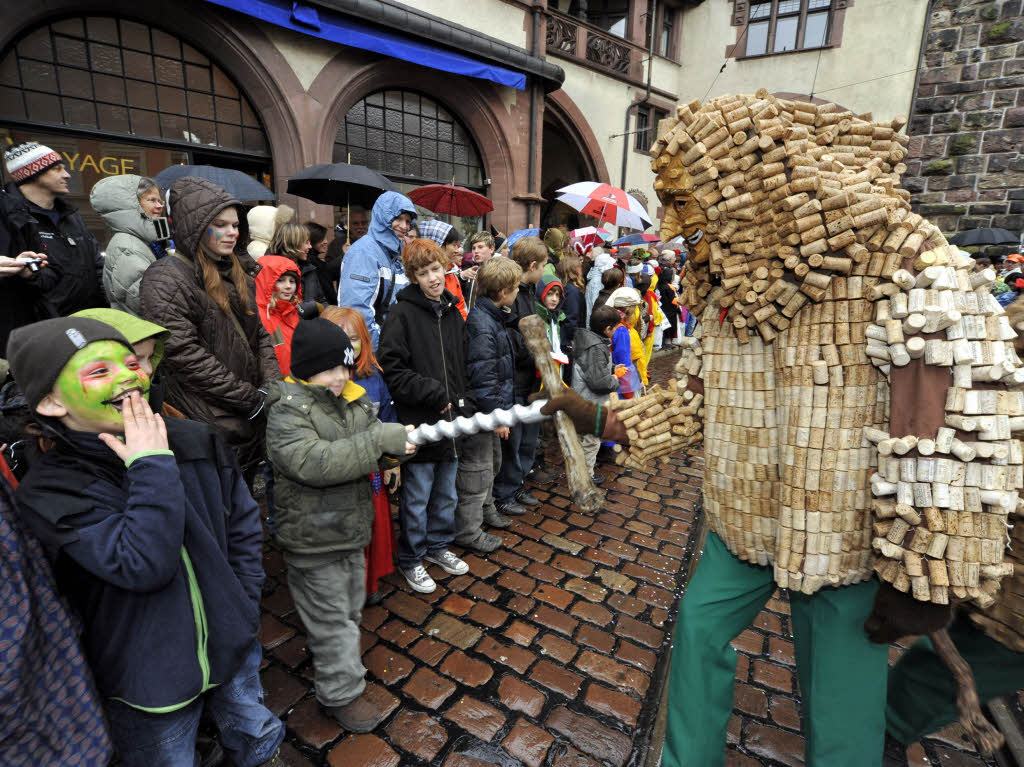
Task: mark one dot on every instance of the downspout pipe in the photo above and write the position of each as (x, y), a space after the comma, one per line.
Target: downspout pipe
(531, 167)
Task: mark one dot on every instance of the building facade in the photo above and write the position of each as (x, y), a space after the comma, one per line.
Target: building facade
(512, 98)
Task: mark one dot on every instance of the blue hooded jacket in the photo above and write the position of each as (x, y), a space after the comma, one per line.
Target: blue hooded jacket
(372, 273)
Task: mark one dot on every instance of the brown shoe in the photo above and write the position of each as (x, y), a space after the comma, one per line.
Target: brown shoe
(358, 716)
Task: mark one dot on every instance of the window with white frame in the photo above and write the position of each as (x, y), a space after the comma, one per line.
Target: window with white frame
(777, 26)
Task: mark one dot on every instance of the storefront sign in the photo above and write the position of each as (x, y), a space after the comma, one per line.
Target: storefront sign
(105, 166)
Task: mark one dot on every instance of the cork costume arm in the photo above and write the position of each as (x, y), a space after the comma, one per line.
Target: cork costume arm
(949, 471)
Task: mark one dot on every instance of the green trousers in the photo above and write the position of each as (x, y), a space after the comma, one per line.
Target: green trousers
(922, 693)
(842, 675)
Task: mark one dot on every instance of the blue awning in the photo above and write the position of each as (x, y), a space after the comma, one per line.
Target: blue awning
(336, 28)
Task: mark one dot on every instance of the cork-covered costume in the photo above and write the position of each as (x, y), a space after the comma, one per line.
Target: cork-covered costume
(921, 697)
(849, 368)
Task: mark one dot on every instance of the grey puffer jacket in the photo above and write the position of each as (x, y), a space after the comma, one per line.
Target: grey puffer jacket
(592, 374)
(128, 254)
(324, 449)
(215, 362)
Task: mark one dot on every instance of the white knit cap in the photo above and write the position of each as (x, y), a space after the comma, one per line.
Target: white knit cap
(26, 161)
(623, 297)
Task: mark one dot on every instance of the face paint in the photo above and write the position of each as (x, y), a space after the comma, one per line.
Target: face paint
(94, 382)
(221, 235)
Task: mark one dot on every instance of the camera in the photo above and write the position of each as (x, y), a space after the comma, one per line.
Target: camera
(32, 263)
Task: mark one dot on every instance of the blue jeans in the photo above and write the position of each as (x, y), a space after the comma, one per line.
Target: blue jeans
(249, 733)
(517, 454)
(427, 512)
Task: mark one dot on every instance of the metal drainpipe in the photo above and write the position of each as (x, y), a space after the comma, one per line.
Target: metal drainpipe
(531, 168)
(652, 11)
(920, 62)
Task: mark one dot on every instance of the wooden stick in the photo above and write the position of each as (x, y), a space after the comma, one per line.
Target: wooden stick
(986, 737)
(584, 494)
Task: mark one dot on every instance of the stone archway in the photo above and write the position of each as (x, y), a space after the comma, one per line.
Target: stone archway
(570, 153)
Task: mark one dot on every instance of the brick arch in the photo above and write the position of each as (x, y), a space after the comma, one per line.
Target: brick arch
(478, 106)
(570, 120)
(240, 48)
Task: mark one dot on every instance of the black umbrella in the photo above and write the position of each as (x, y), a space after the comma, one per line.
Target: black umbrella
(990, 236)
(339, 184)
(239, 185)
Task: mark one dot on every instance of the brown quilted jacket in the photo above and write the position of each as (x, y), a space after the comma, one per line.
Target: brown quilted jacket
(213, 365)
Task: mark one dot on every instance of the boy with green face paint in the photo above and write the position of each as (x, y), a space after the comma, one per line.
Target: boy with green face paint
(147, 340)
(156, 542)
(92, 388)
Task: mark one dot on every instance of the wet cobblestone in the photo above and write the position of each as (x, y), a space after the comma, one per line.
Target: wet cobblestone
(551, 651)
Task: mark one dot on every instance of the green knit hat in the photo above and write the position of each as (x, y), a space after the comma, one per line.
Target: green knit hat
(135, 329)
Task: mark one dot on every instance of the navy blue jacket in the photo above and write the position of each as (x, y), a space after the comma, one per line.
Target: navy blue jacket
(526, 379)
(162, 559)
(490, 361)
(574, 307)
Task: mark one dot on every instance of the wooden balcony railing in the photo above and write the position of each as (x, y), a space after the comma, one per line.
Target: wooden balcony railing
(576, 40)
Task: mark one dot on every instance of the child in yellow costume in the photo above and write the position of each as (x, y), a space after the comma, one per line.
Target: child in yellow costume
(627, 302)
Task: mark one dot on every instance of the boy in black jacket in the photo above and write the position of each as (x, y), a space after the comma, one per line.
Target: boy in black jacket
(517, 452)
(423, 355)
(157, 544)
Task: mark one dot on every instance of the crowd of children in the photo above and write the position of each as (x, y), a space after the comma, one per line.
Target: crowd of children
(149, 520)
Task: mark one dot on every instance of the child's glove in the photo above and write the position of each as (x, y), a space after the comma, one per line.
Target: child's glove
(259, 406)
(621, 371)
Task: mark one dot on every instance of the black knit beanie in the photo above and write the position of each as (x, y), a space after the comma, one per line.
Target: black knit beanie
(38, 352)
(319, 345)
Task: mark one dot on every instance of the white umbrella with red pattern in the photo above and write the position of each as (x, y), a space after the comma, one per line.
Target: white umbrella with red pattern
(606, 203)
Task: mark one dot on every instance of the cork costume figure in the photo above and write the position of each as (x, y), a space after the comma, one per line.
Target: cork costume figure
(849, 377)
(921, 698)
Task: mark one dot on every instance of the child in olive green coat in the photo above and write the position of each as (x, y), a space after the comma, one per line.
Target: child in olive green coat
(324, 440)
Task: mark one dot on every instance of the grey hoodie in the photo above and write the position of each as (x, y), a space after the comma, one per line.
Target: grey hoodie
(128, 253)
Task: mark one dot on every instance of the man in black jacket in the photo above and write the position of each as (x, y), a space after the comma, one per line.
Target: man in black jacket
(35, 221)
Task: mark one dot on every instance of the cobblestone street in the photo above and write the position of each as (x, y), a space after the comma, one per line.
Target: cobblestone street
(552, 651)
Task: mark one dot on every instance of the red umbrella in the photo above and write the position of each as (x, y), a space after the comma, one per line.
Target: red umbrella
(451, 199)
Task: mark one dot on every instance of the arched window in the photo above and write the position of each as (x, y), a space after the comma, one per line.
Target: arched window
(122, 77)
(410, 138)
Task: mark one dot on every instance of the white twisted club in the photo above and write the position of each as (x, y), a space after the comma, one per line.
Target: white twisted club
(463, 426)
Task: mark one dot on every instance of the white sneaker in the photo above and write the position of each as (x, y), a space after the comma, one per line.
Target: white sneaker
(418, 579)
(448, 562)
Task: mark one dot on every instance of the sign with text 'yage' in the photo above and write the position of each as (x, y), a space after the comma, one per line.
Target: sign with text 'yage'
(107, 166)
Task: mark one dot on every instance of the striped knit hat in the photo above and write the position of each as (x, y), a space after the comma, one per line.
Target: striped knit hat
(26, 161)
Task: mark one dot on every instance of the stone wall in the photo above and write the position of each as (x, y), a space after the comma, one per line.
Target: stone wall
(965, 167)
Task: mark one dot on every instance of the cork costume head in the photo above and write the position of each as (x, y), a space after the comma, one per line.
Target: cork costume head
(775, 196)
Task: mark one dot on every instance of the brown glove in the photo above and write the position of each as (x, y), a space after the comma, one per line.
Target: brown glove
(587, 417)
(897, 615)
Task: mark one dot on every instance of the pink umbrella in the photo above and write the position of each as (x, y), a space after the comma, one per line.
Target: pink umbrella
(590, 236)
